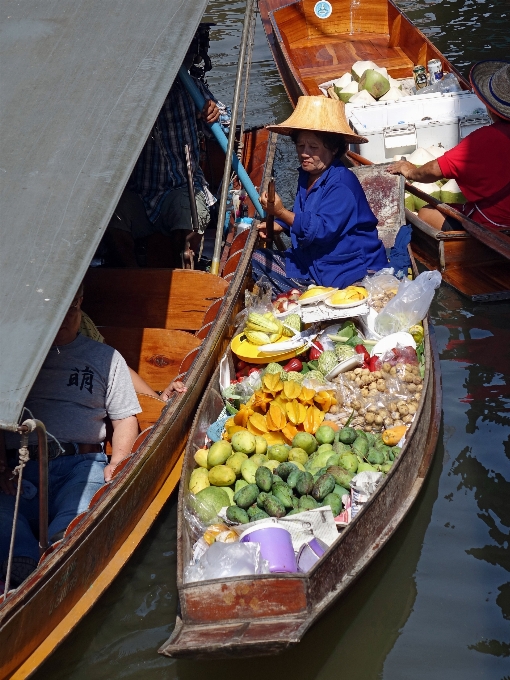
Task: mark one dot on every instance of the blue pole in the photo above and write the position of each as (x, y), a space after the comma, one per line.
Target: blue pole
(199, 100)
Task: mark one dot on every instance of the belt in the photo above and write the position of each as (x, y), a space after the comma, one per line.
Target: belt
(54, 450)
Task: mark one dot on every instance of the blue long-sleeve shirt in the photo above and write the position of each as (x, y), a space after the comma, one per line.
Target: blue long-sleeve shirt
(334, 235)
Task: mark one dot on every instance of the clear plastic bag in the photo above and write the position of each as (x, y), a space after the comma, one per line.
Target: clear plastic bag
(382, 288)
(410, 305)
(226, 560)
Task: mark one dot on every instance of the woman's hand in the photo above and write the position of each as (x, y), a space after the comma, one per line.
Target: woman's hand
(278, 209)
(262, 229)
(210, 113)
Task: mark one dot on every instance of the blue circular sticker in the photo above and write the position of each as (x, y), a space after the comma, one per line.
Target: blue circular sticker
(323, 9)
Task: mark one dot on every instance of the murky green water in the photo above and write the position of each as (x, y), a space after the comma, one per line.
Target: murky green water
(436, 603)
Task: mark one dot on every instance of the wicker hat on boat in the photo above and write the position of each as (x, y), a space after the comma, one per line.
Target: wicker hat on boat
(318, 114)
(491, 82)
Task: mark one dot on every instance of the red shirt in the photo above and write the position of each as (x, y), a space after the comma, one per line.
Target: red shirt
(480, 164)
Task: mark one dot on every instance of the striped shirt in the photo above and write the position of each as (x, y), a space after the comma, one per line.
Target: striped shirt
(161, 166)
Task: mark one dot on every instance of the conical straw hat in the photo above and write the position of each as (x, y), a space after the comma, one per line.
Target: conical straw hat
(318, 114)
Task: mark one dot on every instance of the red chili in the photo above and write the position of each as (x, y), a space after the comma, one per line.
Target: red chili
(374, 364)
(316, 351)
(361, 349)
(294, 365)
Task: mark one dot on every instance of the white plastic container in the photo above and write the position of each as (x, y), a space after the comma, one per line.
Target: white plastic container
(400, 127)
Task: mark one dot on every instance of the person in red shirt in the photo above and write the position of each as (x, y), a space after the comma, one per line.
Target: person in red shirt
(480, 163)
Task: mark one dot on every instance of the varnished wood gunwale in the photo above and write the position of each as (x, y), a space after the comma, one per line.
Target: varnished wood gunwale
(228, 618)
(34, 610)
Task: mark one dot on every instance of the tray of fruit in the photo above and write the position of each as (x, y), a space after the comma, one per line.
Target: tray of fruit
(352, 296)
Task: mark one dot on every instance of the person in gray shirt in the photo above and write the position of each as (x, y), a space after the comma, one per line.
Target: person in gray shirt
(81, 383)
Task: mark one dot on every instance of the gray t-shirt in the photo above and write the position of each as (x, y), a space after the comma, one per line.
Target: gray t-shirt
(78, 386)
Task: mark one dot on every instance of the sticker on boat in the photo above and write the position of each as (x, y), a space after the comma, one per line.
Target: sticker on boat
(323, 9)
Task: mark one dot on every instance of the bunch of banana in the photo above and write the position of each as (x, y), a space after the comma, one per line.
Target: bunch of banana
(349, 294)
(263, 329)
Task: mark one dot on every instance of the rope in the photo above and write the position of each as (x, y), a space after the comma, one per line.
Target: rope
(249, 56)
(18, 470)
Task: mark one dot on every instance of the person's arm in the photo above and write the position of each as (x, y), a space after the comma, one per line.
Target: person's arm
(278, 210)
(125, 431)
(425, 173)
(210, 113)
(6, 483)
(141, 387)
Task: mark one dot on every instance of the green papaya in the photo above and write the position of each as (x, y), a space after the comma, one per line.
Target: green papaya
(263, 478)
(284, 469)
(375, 457)
(340, 491)
(323, 486)
(334, 503)
(292, 478)
(347, 435)
(274, 507)
(304, 483)
(259, 515)
(284, 494)
(342, 477)
(246, 496)
(307, 503)
(236, 514)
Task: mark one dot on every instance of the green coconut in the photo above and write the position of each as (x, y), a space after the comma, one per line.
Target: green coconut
(451, 193)
(436, 151)
(363, 98)
(343, 81)
(420, 156)
(392, 95)
(431, 189)
(375, 83)
(359, 68)
(409, 201)
(347, 92)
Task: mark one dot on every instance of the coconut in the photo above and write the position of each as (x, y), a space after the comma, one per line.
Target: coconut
(409, 201)
(374, 83)
(348, 91)
(392, 95)
(332, 92)
(400, 157)
(431, 189)
(451, 193)
(420, 157)
(382, 70)
(359, 68)
(436, 151)
(343, 81)
(361, 98)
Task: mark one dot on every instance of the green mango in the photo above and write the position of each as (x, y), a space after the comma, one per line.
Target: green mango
(295, 511)
(360, 447)
(292, 478)
(323, 486)
(259, 515)
(221, 475)
(371, 438)
(342, 477)
(259, 458)
(284, 469)
(263, 478)
(375, 457)
(339, 448)
(347, 435)
(366, 467)
(239, 484)
(230, 492)
(305, 441)
(386, 467)
(308, 503)
(340, 491)
(260, 444)
(219, 453)
(325, 434)
(298, 456)
(246, 496)
(278, 452)
(333, 460)
(349, 462)
(260, 499)
(244, 442)
(252, 510)
(235, 461)
(304, 483)
(334, 503)
(277, 478)
(284, 495)
(248, 470)
(274, 507)
(236, 514)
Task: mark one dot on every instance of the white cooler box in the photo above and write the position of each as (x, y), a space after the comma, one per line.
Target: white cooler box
(398, 128)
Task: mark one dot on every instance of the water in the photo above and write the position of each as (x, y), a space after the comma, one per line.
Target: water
(436, 603)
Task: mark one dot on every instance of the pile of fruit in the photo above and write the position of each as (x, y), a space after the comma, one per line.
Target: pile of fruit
(348, 295)
(313, 291)
(280, 409)
(284, 302)
(255, 481)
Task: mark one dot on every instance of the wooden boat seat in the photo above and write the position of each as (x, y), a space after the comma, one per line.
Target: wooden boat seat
(154, 353)
(151, 298)
(151, 410)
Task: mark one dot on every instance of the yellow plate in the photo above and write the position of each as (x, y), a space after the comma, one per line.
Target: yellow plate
(251, 354)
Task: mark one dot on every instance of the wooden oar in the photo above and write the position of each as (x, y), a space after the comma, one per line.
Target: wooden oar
(492, 239)
(270, 216)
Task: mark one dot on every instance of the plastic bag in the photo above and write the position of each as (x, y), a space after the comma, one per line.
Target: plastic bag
(226, 560)
(382, 288)
(410, 305)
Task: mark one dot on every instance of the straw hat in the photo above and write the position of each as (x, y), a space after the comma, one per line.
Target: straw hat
(491, 82)
(318, 114)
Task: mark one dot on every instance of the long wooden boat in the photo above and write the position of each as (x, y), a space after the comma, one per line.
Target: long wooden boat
(167, 323)
(309, 50)
(266, 614)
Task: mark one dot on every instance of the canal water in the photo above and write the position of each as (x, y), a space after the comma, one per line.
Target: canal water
(436, 603)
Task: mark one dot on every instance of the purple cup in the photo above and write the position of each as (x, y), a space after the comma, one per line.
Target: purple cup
(275, 546)
(310, 553)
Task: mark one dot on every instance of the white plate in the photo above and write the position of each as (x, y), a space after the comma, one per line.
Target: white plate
(346, 365)
(390, 341)
(282, 315)
(317, 298)
(346, 305)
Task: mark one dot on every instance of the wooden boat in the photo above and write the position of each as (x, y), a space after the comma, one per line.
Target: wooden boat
(266, 614)
(167, 323)
(308, 51)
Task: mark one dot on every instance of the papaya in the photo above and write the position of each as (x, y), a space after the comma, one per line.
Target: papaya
(274, 507)
(263, 478)
(334, 503)
(323, 486)
(307, 503)
(393, 435)
(218, 453)
(246, 496)
(238, 515)
(284, 469)
(198, 480)
(342, 477)
(221, 475)
(304, 483)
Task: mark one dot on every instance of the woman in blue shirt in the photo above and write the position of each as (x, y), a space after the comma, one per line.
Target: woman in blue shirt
(332, 229)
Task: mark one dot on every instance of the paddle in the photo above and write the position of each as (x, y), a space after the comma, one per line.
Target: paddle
(270, 216)
(492, 239)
